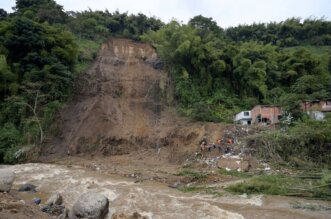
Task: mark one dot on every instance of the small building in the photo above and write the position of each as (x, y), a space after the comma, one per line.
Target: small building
(266, 114)
(316, 109)
(243, 118)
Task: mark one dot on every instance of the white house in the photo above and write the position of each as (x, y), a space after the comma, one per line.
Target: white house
(243, 118)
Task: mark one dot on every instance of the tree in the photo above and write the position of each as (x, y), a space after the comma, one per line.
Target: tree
(42, 10)
(205, 26)
(35, 119)
(3, 14)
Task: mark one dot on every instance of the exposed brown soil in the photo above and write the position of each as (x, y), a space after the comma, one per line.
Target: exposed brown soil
(120, 106)
(12, 207)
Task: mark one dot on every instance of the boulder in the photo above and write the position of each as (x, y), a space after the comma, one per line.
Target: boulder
(55, 199)
(90, 205)
(175, 185)
(27, 188)
(64, 215)
(36, 200)
(6, 180)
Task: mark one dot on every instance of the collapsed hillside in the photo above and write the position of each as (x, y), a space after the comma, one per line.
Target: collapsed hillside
(120, 105)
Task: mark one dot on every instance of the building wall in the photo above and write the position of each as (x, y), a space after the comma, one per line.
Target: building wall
(324, 106)
(241, 115)
(316, 115)
(270, 112)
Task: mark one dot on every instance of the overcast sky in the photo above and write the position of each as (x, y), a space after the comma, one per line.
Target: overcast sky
(225, 12)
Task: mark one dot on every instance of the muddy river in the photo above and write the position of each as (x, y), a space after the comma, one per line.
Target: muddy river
(152, 199)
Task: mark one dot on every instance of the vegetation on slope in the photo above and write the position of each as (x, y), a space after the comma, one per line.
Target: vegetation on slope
(214, 74)
(42, 50)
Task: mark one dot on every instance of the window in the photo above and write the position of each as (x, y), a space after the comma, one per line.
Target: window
(246, 113)
(258, 118)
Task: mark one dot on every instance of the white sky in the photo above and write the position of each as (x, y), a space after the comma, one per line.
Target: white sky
(225, 12)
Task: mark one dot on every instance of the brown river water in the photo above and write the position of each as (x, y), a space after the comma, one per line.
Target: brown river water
(153, 199)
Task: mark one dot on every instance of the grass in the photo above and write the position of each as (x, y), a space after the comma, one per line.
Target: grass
(272, 185)
(193, 174)
(282, 185)
(88, 50)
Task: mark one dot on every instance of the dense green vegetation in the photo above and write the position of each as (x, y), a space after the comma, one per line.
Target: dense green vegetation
(216, 72)
(306, 142)
(291, 32)
(214, 75)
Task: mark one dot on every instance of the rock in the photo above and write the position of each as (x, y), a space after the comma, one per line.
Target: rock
(53, 206)
(6, 180)
(55, 199)
(156, 63)
(233, 164)
(27, 188)
(37, 201)
(175, 185)
(14, 210)
(64, 215)
(90, 205)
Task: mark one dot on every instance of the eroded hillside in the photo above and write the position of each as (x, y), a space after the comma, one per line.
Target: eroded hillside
(119, 106)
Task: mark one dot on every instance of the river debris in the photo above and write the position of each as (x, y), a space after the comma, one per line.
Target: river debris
(135, 215)
(27, 188)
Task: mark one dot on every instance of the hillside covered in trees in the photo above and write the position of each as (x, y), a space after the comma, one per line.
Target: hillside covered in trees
(215, 72)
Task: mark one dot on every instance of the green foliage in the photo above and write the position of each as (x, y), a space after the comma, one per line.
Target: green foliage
(326, 177)
(193, 174)
(205, 26)
(41, 10)
(201, 112)
(87, 52)
(290, 32)
(265, 184)
(101, 24)
(49, 111)
(10, 137)
(307, 141)
(214, 76)
(282, 185)
(37, 63)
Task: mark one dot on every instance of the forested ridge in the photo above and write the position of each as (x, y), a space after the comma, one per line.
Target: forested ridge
(216, 72)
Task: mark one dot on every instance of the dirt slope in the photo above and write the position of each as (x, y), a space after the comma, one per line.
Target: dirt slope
(119, 106)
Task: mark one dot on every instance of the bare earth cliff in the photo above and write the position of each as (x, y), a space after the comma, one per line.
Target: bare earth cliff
(119, 106)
